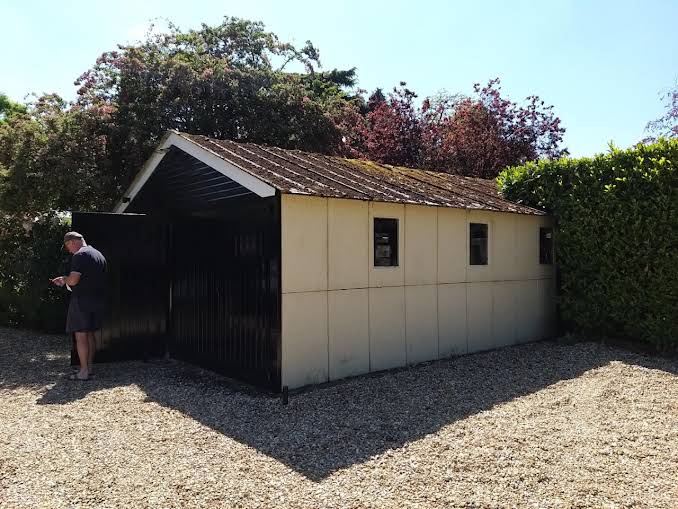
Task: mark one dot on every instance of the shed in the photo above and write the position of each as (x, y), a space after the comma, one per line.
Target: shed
(287, 268)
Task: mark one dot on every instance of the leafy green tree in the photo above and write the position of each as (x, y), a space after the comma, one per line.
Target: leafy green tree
(54, 157)
(228, 81)
(9, 108)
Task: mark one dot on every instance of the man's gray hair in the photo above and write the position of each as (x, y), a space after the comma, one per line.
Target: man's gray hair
(73, 236)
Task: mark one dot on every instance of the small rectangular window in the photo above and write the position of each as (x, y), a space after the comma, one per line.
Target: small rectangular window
(385, 242)
(478, 244)
(546, 246)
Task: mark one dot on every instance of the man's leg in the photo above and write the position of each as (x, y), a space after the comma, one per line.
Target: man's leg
(91, 341)
(82, 346)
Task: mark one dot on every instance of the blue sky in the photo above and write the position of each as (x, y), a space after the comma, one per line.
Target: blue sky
(602, 64)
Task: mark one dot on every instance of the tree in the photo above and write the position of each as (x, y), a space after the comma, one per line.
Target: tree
(219, 81)
(376, 99)
(393, 128)
(667, 124)
(481, 135)
(9, 108)
(476, 136)
(227, 81)
(55, 157)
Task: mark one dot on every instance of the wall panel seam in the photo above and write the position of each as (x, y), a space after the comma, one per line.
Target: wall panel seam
(466, 265)
(403, 244)
(423, 284)
(369, 274)
(437, 230)
(327, 280)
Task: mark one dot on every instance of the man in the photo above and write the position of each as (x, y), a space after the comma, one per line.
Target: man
(87, 281)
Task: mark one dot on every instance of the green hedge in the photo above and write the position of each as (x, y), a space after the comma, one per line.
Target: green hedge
(616, 238)
(31, 253)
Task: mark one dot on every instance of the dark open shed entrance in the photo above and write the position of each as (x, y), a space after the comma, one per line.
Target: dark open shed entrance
(194, 271)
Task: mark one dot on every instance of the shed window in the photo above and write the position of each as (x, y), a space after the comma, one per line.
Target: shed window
(546, 246)
(385, 242)
(478, 244)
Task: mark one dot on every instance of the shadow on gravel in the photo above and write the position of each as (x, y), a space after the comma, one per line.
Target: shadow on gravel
(335, 426)
(31, 360)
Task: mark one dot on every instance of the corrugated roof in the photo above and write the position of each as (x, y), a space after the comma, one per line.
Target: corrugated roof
(297, 172)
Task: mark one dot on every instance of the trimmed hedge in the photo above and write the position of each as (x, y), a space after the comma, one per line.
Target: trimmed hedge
(616, 238)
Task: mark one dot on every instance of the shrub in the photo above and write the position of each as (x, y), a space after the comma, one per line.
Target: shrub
(30, 254)
(616, 238)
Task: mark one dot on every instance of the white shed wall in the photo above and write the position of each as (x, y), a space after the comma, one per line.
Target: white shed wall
(341, 316)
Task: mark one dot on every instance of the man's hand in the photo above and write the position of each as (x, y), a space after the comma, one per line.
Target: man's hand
(58, 281)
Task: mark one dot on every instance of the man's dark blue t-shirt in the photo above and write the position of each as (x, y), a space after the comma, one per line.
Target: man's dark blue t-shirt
(91, 265)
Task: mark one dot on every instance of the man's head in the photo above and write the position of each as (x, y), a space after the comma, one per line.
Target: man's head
(73, 241)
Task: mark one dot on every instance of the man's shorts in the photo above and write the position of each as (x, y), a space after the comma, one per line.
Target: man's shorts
(85, 314)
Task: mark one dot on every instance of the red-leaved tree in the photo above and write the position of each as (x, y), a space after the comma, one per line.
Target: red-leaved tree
(394, 129)
(475, 136)
(481, 135)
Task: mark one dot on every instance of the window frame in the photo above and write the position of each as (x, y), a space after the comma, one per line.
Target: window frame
(394, 242)
(542, 237)
(487, 245)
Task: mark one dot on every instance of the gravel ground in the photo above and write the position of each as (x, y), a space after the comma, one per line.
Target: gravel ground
(540, 425)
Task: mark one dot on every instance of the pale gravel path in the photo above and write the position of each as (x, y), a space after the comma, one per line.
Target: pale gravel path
(542, 425)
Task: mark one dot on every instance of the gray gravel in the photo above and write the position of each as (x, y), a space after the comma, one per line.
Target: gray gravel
(540, 425)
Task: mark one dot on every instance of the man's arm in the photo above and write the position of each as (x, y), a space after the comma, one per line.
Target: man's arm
(71, 280)
(78, 263)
